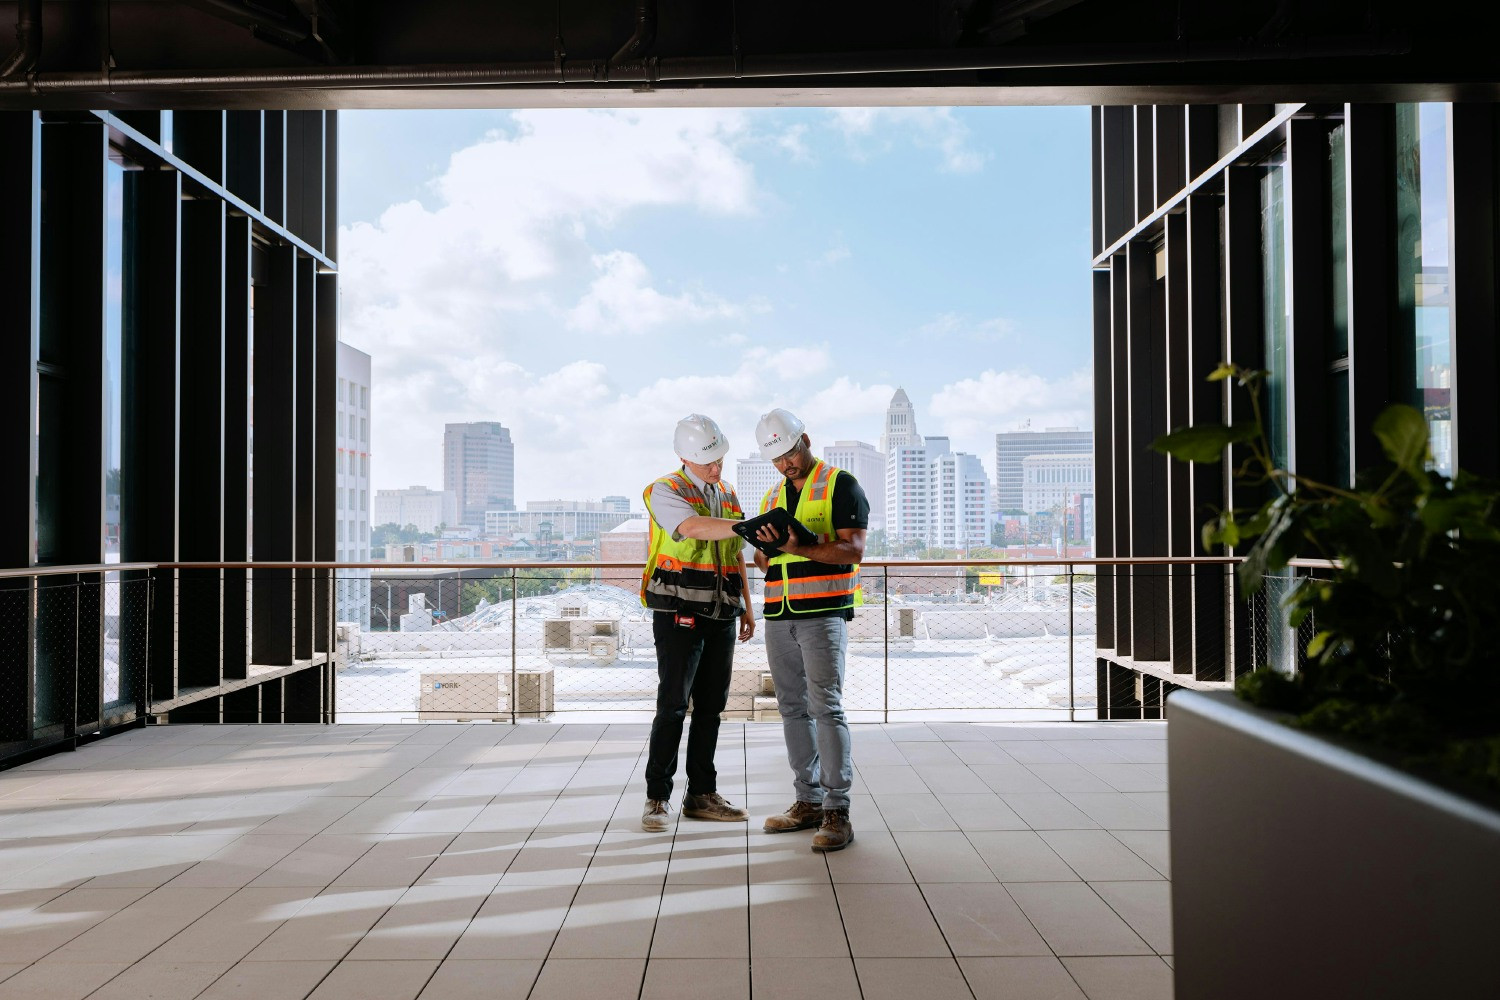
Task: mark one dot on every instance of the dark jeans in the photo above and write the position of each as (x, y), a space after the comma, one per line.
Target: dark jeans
(690, 662)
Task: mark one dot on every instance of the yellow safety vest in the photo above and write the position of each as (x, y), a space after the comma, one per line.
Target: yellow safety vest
(692, 575)
(795, 584)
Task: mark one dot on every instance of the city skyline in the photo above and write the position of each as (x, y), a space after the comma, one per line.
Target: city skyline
(796, 278)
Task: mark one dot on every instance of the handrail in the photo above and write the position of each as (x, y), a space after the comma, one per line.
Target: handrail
(83, 569)
(397, 568)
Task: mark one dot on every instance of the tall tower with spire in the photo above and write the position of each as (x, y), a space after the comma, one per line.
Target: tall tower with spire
(900, 424)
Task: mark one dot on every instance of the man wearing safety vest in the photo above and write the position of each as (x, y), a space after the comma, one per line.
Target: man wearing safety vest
(695, 584)
(810, 597)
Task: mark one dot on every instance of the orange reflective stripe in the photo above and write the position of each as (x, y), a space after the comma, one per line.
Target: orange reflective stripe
(822, 593)
(819, 579)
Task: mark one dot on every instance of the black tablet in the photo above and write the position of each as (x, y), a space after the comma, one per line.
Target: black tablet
(780, 519)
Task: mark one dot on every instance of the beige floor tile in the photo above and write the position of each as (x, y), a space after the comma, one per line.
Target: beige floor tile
(1009, 778)
(472, 859)
(873, 857)
(828, 979)
(394, 860)
(35, 930)
(1039, 978)
(888, 921)
(232, 929)
(141, 927)
(1118, 811)
(319, 861)
(1119, 978)
(1033, 751)
(268, 981)
(8, 969)
(152, 980)
(709, 854)
(72, 981)
(1146, 907)
(785, 857)
(903, 811)
(696, 978)
(698, 921)
(380, 815)
(515, 922)
(883, 779)
(1153, 846)
(493, 979)
(1130, 777)
(327, 926)
(1074, 920)
(609, 921)
(795, 921)
(589, 979)
(1097, 856)
(242, 861)
(381, 980)
(942, 857)
(1049, 810)
(422, 924)
(904, 978)
(551, 858)
(1021, 856)
(982, 811)
(630, 857)
(982, 919)
(980, 752)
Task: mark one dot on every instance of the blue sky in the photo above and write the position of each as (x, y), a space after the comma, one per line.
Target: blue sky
(588, 277)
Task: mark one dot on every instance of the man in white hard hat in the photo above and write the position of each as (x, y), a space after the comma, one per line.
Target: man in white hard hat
(694, 584)
(810, 597)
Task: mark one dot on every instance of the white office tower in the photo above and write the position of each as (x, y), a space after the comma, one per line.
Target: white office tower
(352, 492)
(959, 495)
(905, 474)
(479, 465)
(753, 479)
(1011, 450)
(423, 508)
(867, 464)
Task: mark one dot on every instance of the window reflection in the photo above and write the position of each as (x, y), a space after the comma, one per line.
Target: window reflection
(1422, 289)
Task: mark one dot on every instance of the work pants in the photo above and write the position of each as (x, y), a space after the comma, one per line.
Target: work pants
(690, 663)
(807, 667)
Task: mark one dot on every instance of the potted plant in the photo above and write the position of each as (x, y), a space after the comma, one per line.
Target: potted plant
(1336, 828)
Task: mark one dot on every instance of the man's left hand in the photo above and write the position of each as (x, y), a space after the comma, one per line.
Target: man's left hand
(747, 624)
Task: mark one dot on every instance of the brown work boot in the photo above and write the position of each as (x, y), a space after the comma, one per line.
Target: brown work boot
(712, 806)
(836, 833)
(801, 816)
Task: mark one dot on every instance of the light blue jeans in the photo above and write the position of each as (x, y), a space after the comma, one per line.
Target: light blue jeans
(807, 666)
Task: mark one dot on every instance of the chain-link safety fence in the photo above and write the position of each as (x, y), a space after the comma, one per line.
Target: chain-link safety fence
(534, 642)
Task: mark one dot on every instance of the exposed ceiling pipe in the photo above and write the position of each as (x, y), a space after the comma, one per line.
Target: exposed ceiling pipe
(700, 69)
(639, 43)
(262, 23)
(28, 40)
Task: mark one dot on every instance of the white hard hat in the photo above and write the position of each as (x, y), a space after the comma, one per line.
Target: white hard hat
(777, 433)
(699, 440)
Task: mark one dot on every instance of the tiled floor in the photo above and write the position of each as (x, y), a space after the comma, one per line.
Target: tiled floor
(392, 862)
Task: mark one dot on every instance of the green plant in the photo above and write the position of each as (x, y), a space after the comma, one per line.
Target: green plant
(1404, 652)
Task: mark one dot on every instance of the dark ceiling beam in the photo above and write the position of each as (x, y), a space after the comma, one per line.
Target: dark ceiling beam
(849, 66)
(28, 40)
(266, 25)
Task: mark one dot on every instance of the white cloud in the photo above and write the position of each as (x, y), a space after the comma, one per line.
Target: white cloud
(973, 410)
(833, 255)
(872, 131)
(621, 300)
(964, 327)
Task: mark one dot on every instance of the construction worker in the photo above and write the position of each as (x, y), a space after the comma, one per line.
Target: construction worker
(810, 596)
(694, 583)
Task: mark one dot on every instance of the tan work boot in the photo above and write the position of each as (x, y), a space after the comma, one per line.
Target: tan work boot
(836, 833)
(657, 816)
(712, 806)
(801, 816)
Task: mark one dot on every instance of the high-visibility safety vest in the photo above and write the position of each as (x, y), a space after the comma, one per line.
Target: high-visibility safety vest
(795, 585)
(692, 575)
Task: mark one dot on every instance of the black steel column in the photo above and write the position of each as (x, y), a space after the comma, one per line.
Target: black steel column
(325, 457)
(1179, 514)
(1374, 355)
(1311, 294)
(201, 537)
(1244, 335)
(1206, 400)
(20, 219)
(1475, 217)
(1119, 444)
(237, 499)
(1151, 637)
(1104, 480)
(274, 499)
(304, 441)
(149, 442)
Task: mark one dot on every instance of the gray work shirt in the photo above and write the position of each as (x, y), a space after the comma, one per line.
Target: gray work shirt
(669, 509)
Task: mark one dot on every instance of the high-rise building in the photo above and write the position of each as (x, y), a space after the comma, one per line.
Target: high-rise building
(867, 464)
(900, 424)
(934, 496)
(1050, 481)
(958, 501)
(479, 466)
(618, 504)
(352, 492)
(566, 520)
(1011, 450)
(423, 508)
(753, 479)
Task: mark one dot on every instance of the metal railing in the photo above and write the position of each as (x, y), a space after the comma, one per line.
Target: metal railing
(87, 648)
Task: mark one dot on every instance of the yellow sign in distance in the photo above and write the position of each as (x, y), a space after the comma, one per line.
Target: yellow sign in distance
(991, 580)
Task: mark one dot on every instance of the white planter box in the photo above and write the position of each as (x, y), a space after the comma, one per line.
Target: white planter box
(1303, 869)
